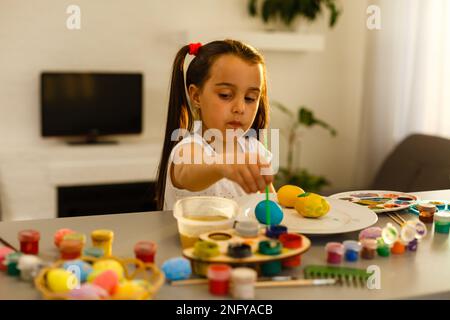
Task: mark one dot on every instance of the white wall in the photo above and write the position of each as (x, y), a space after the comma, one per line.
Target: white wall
(141, 35)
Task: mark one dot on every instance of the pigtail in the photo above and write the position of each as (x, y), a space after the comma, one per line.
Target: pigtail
(178, 116)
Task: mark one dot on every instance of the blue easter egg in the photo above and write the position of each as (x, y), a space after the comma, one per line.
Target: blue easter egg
(177, 268)
(276, 214)
(80, 268)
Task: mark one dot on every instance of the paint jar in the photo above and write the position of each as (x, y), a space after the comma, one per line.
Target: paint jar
(383, 249)
(247, 228)
(291, 241)
(4, 251)
(271, 248)
(28, 265)
(369, 248)
(335, 251)
(389, 234)
(274, 232)
(442, 222)
(243, 283)
(93, 252)
(29, 241)
(398, 247)
(239, 250)
(219, 279)
(412, 245)
(419, 227)
(352, 249)
(204, 250)
(103, 238)
(426, 212)
(70, 249)
(11, 261)
(145, 251)
(59, 235)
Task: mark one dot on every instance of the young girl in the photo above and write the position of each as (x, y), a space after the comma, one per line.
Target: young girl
(224, 90)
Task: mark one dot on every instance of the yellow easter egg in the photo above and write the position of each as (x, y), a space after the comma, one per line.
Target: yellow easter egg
(287, 195)
(129, 290)
(109, 264)
(312, 205)
(61, 280)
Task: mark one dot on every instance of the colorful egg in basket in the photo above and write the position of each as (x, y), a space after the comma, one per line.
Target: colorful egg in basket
(139, 280)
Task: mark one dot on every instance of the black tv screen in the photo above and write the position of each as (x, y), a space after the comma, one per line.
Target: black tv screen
(90, 103)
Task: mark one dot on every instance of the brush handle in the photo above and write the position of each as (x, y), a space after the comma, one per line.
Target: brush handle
(265, 284)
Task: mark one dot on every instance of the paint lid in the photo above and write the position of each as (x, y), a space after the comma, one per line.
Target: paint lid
(389, 234)
(75, 236)
(206, 249)
(274, 231)
(370, 233)
(247, 228)
(102, 235)
(13, 257)
(243, 275)
(70, 245)
(145, 247)
(428, 207)
(291, 240)
(219, 272)
(28, 261)
(370, 244)
(352, 245)
(407, 233)
(239, 250)
(59, 235)
(334, 247)
(442, 216)
(270, 247)
(29, 235)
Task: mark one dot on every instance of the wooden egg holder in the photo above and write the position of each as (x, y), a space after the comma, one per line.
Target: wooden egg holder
(227, 237)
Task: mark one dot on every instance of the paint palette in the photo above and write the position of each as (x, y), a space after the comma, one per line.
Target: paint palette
(441, 205)
(229, 237)
(378, 200)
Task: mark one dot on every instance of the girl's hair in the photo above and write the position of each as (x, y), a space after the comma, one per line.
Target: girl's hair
(181, 116)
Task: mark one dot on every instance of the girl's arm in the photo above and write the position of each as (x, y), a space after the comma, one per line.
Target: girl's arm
(197, 177)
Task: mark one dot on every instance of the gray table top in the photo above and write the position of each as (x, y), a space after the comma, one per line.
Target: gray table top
(423, 274)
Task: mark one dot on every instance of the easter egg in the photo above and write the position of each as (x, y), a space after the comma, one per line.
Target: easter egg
(88, 291)
(312, 205)
(107, 280)
(61, 281)
(177, 268)
(276, 214)
(129, 290)
(109, 264)
(287, 195)
(80, 268)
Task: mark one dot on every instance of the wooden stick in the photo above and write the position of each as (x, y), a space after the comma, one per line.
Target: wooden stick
(6, 243)
(265, 284)
(395, 219)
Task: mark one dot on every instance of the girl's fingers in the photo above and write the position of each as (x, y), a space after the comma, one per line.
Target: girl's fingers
(240, 181)
(261, 183)
(248, 178)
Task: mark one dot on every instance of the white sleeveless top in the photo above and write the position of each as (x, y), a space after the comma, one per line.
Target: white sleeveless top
(222, 188)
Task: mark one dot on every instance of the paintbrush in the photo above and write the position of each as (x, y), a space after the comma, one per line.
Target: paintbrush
(6, 243)
(268, 282)
(267, 190)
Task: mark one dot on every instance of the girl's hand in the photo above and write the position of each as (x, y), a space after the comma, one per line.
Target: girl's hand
(248, 174)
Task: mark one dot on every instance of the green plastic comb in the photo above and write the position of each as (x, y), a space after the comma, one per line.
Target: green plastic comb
(343, 275)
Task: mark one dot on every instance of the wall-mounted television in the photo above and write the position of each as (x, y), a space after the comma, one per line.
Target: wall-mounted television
(91, 104)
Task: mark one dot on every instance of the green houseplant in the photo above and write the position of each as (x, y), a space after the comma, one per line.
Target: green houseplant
(288, 10)
(294, 174)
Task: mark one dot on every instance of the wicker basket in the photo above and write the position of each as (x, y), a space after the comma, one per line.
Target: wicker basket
(145, 271)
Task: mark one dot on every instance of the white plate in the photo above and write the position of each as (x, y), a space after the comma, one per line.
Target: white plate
(343, 216)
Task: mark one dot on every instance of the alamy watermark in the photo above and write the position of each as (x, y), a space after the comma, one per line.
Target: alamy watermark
(73, 22)
(374, 19)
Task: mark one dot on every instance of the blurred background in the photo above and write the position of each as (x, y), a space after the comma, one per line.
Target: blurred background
(349, 81)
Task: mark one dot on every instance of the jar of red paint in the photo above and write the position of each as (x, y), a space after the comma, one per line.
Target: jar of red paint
(70, 249)
(29, 241)
(335, 251)
(145, 251)
(219, 279)
(291, 241)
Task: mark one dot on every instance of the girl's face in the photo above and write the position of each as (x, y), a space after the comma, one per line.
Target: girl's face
(230, 97)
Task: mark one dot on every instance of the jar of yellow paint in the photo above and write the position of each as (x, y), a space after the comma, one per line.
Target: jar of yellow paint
(103, 239)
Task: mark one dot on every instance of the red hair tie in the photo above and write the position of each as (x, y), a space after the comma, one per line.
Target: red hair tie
(193, 48)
